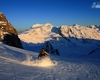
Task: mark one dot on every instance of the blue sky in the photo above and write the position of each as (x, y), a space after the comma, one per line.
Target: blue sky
(24, 13)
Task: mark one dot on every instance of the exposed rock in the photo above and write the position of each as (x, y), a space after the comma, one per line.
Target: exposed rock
(49, 48)
(12, 40)
(8, 33)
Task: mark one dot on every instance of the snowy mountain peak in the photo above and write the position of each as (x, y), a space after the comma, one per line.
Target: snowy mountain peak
(37, 25)
(38, 33)
(41, 28)
(47, 25)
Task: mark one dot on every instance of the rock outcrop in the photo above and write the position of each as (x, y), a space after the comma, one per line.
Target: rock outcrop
(49, 48)
(8, 33)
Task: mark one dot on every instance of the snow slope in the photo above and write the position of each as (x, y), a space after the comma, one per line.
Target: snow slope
(19, 64)
(64, 38)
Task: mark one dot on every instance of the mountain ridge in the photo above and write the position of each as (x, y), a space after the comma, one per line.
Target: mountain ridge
(49, 32)
(8, 34)
(61, 38)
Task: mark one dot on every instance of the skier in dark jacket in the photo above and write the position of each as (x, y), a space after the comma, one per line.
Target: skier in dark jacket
(43, 54)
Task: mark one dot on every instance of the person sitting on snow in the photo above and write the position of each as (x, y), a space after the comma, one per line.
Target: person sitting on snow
(43, 54)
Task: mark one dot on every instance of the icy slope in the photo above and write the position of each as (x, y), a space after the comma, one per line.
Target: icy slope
(18, 64)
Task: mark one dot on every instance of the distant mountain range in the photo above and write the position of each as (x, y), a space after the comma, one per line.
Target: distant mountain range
(76, 34)
(62, 38)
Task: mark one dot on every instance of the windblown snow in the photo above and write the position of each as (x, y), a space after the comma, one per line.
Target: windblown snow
(47, 62)
(79, 48)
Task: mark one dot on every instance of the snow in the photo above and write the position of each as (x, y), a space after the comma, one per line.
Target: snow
(79, 54)
(40, 63)
(48, 25)
(38, 34)
(80, 32)
(19, 64)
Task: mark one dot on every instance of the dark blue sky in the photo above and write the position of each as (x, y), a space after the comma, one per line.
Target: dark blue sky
(24, 13)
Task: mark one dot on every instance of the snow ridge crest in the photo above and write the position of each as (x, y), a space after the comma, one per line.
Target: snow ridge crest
(77, 31)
